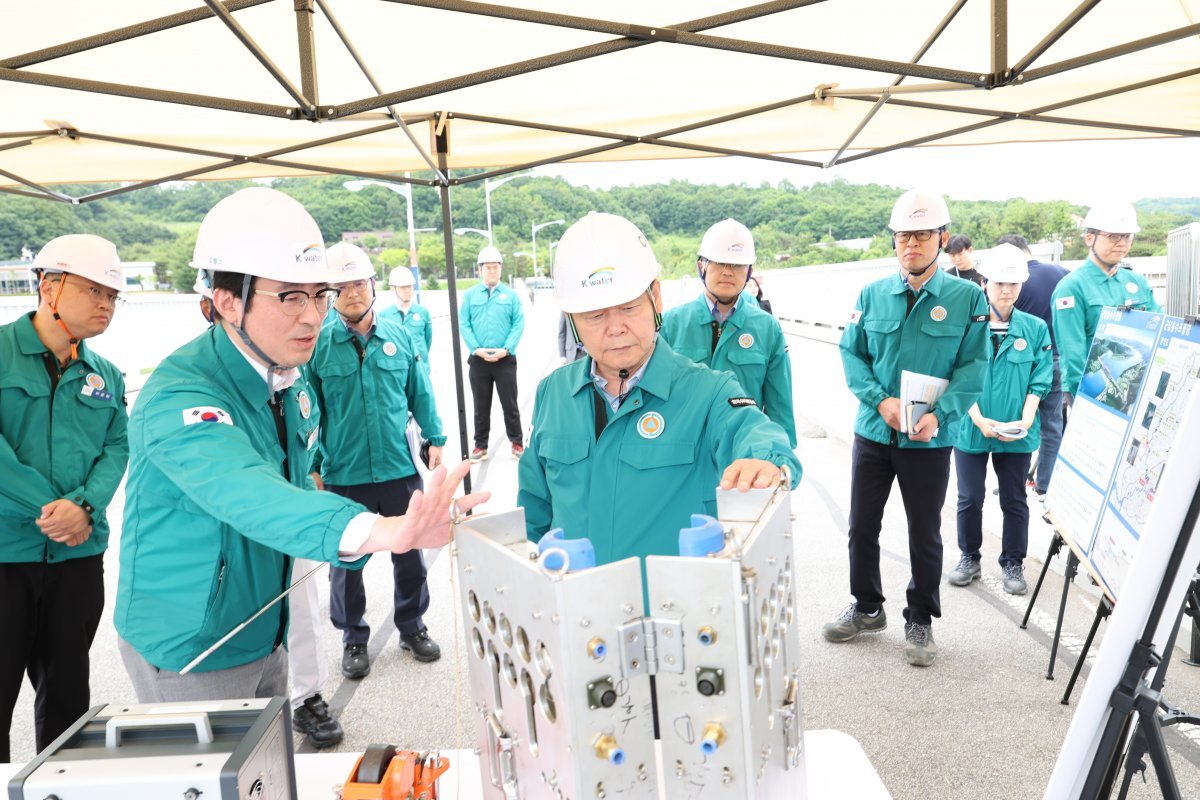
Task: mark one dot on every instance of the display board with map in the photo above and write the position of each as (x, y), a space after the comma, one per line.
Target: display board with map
(1138, 386)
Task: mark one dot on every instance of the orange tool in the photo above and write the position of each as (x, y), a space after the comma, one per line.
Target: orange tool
(385, 773)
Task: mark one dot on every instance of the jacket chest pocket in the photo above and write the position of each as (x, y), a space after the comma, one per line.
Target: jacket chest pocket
(878, 331)
(393, 371)
(942, 331)
(654, 455)
(560, 456)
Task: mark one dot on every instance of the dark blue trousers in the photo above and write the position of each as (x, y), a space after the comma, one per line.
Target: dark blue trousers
(1051, 413)
(1010, 469)
(922, 474)
(348, 598)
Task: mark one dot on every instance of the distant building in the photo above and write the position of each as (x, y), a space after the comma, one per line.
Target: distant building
(356, 237)
(850, 244)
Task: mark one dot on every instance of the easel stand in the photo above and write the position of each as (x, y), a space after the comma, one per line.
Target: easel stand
(1102, 612)
(1056, 545)
(1136, 703)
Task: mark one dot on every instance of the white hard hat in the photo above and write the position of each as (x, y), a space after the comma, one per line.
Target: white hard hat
(401, 276)
(85, 255)
(602, 261)
(919, 210)
(1112, 218)
(1004, 263)
(489, 255)
(348, 262)
(262, 232)
(201, 286)
(728, 242)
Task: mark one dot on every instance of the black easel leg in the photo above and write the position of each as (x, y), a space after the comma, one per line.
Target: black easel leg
(1056, 543)
(1102, 611)
(1072, 568)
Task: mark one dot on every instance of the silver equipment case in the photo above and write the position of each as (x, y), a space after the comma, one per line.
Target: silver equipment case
(561, 664)
(228, 749)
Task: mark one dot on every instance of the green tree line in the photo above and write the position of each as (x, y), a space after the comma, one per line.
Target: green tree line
(159, 224)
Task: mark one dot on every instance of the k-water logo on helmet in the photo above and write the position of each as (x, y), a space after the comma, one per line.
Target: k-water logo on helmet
(601, 277)
(311, 254)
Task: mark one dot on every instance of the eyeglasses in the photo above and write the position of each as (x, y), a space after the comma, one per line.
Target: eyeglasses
(904, 237)
(1117, 238)
(294, 301)
(717, 265)
(354, 287)
(101, 297)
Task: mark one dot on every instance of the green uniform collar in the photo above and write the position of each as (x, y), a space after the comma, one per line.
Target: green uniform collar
(933, 286)
(656, 380)
(247, 381)
(32, 345)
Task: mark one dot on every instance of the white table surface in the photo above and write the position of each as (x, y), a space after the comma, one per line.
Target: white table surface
(837, 768)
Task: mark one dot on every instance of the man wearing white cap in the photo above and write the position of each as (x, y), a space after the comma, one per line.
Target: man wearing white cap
(220, 499)
(63, 450)
(366, 368)
(407, 311)
(931, 324)
(723, 330)
(1005, 425)
(491, 322)
(1098, 282)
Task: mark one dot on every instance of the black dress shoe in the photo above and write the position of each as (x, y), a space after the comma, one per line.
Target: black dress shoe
(421, 646)
(356, 665)
(315, 722)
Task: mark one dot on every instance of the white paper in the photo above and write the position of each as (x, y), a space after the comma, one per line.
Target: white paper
(918, 393)
(1010, 431)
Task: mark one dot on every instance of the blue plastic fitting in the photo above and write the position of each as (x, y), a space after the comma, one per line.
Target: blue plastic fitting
(704, 537)
(581, 553)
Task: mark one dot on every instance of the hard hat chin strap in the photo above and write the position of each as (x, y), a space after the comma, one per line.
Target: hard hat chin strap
(71, 338)
(272, 367)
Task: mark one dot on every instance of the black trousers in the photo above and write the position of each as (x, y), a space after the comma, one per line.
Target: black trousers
(48, 617)
(503, 375)
(922, 474)
(410, 597)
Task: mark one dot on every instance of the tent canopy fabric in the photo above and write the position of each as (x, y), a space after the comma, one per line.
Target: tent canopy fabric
(261, 88)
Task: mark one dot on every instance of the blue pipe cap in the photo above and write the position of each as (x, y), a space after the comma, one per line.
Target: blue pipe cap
(705, 536)
(580, 552)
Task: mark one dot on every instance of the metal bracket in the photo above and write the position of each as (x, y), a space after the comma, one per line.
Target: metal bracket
(501, 762)
(793, 740)
(650, 646)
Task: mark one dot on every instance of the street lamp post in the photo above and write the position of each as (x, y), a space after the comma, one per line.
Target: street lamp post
(405, 191)
(537, 228)
(488, 185)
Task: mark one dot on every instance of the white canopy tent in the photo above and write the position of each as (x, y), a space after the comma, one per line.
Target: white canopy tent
(154, 90)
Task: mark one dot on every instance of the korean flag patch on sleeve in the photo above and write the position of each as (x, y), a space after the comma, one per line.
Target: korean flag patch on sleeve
(1065, 302)
(199, 414)
(855, 316)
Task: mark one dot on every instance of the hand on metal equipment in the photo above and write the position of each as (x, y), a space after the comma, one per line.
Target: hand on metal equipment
(750, 473)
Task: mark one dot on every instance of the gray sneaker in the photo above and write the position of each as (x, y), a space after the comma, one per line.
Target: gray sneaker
(1014, 579)
(967, 570)
(851, 622)
(920, 649)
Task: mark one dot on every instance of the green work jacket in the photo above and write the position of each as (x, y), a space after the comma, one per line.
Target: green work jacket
(657, 461)
(67, 442)
(211, 523)
(366, 390)
(1023, 365)
(1076, 306)
(418, 324)
(943, 336)
(750, 345)
(492, 319)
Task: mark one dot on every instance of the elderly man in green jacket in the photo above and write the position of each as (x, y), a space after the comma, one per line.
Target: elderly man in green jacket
(220, 497)
(63, 450)
(632, 440)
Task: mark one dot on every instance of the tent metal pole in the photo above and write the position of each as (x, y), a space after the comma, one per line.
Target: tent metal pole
(362, 65)
(235, 27)
(34, 195)
(875, 109)
(122, 34)
(144, 93)
(23, 134)
(37, 187)
(178, 176)
(554, 59)
(1053, 36)
(1185, 32)
(558, 159)
(306, 42)
(441, 146)
(1130, 87)
(725, 151)
(685, 37)
(999, 43)
(933, 137)
(22, 143)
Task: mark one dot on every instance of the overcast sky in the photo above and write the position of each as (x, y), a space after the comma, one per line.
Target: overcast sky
(1079, 172)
